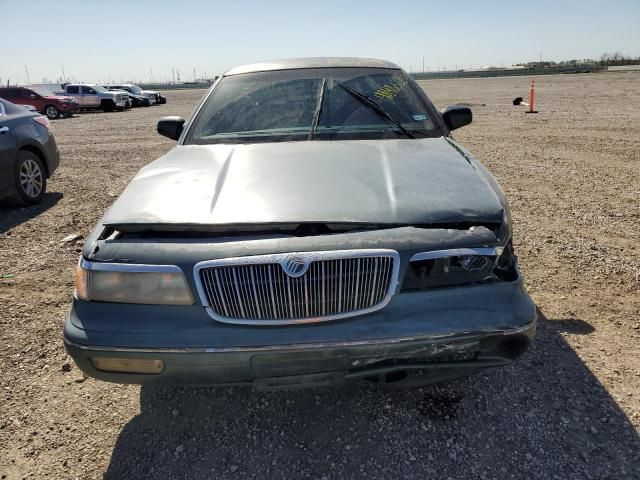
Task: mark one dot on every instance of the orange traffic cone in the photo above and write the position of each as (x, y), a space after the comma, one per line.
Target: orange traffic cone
(519, 100)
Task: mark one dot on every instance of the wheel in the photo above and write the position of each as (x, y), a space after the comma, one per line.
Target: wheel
(30, 179)
(107, 105)
(51, 112)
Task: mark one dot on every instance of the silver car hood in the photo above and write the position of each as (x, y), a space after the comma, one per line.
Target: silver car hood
(401, 182)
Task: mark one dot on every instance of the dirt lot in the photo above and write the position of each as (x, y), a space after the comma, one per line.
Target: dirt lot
(569, 409)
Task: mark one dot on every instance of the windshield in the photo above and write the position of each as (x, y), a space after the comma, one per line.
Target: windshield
(98, 88)
(42, 92)
(319, 104)
(134, 89)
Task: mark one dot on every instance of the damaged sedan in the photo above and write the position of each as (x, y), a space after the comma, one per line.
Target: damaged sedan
(316, 223)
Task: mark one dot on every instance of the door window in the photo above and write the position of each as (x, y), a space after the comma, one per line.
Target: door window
(8, 93)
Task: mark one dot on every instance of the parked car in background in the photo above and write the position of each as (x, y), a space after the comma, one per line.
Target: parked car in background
(128, 102)
(316, 223)
(160, 99)
(45, 102)
(153, 96)
(93, 96)
(28, 154)
(137, 100)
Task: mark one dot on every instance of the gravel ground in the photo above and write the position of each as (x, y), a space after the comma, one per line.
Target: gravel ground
(569, 409)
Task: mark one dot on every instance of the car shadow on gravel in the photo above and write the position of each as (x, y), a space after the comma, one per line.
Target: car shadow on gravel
(544, 417)
(574, 326)
(11, 217)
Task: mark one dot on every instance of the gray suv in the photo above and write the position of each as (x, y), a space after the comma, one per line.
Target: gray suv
(316, 223)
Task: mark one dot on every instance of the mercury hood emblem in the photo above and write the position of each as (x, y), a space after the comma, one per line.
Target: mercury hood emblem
(295, 265)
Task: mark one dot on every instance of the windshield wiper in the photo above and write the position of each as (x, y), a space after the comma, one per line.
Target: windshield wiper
(375, 107)
(318, 111)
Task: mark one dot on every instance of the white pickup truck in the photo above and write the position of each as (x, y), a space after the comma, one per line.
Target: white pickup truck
(90, 95)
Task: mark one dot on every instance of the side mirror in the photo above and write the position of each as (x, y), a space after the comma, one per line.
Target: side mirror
(456, 116)
(171, 127)
(33, 95)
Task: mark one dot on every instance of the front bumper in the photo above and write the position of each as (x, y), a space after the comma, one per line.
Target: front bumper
(448, 332)
(69, 107)
(51, 154)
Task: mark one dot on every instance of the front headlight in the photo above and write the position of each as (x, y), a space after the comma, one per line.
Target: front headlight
(461, 266)
(125, 283)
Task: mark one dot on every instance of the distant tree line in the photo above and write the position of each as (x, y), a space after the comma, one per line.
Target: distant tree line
(606, 60)
(617, 58)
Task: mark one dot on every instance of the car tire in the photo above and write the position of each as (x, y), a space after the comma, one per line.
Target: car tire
(108, 105)
(51, 112)
(30, 179)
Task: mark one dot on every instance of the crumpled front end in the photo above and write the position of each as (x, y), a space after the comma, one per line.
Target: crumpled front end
(443, 308)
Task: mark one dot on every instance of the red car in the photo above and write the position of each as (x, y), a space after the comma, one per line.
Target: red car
(44, 101)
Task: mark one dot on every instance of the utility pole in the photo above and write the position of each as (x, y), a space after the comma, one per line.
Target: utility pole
(150, 74)
(194, 74)
(422, 64)
(27, 72)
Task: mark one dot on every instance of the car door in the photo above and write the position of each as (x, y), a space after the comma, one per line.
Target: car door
(7, 150)
(74, 91)
(89, 96)
(10, 94)
(27, 97)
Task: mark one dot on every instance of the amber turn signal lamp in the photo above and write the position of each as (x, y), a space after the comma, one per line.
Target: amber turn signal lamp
(128, 365)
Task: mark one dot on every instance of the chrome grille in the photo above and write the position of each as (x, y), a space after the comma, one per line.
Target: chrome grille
(333, 285)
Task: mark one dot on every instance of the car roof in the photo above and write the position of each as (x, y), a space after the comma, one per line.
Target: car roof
(312, 62)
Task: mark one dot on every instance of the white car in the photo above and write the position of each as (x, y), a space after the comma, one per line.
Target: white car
(90, 95)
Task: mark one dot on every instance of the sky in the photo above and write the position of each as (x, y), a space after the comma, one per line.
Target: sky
(103, 41)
